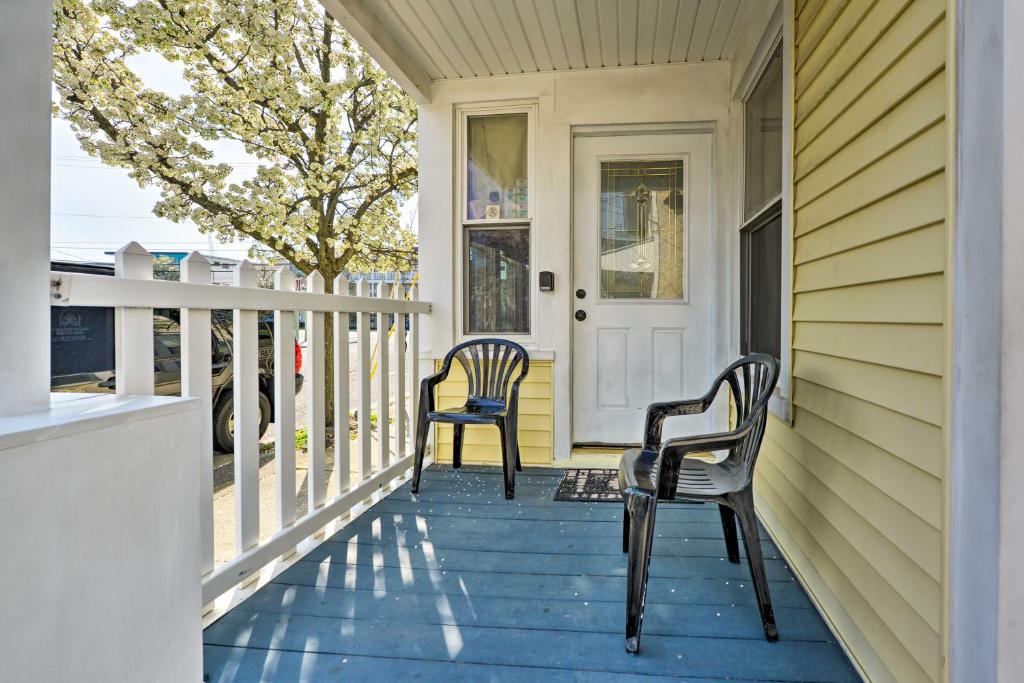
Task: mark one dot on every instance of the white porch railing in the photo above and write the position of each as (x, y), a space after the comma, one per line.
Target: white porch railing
(134, 294)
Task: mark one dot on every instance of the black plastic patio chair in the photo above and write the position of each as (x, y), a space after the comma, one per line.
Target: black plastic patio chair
(491, 365)
(661, 471)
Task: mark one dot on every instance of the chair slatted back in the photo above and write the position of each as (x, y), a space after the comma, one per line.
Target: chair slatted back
(751, 381)
(490, 365)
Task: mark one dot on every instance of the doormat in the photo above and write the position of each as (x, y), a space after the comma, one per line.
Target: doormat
(589, 486)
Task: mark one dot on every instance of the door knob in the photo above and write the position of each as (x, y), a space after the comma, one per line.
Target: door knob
(581, 315)
(581, 294)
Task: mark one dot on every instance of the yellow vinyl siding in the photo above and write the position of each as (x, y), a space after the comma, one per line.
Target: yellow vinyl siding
(917, 300)
(912, 254)
(869, 19)
(913, 207)
(907, 54)
(910, 393)
(856, 482)
(481, 445)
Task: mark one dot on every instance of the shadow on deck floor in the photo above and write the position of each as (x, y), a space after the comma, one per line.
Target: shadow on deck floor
(458, 584)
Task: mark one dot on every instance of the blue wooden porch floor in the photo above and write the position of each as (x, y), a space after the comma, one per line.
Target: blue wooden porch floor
(458, 584)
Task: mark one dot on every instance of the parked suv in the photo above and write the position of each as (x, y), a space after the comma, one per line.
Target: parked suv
(82, 356)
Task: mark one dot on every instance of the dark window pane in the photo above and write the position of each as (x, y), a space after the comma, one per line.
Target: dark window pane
(761, 283)
(497, 280)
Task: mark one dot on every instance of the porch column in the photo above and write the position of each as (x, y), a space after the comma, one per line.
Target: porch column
(1010, 660)
(25, 55)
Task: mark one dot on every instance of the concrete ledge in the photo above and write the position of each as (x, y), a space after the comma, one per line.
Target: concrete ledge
(71, 414)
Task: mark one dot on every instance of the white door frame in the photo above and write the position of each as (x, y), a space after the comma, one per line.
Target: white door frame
(668, 128)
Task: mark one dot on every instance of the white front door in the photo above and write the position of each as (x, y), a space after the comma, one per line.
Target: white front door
(642, 280)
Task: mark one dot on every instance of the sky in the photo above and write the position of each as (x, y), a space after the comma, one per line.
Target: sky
(94, 209)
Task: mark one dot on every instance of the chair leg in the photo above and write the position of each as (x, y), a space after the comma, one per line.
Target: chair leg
(457, 445)
(641, 511)
(507, 467)
(744, 505)
(625, 528)
(732, 545)
(514, 465)
(422, 425)
(506, 474)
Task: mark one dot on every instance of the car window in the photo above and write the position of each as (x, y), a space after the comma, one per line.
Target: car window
(265, 324)
(266, 328)
(166, 343)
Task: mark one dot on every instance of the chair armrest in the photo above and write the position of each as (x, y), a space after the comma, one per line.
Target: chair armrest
(637, 471)
(657, 412)
(427, 385)
(435, 379)
(682, 446)
(512, 407)
(673, 451)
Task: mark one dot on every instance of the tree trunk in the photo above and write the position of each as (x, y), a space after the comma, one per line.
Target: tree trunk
(329, 355)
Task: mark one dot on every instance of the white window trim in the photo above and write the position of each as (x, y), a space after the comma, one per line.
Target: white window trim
(462, 114)
(779, 31)
(782, 404)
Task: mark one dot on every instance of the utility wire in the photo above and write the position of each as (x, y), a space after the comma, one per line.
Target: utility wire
(105, 215)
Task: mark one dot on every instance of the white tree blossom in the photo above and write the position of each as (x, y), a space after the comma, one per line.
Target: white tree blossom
(333, 135)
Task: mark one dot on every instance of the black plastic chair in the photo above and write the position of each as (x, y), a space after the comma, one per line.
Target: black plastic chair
(490, 365)
(661, 471)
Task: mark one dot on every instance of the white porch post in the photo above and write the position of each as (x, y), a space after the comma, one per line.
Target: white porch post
(1010, 654)
(985, 545)
(25, 49)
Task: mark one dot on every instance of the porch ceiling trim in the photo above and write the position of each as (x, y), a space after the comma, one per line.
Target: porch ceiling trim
(424, 41)
(359, 19)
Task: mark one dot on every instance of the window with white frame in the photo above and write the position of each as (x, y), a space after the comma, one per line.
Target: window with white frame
(761, 233)
(495, 227)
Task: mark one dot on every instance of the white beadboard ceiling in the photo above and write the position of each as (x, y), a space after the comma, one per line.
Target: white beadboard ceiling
(448, 39)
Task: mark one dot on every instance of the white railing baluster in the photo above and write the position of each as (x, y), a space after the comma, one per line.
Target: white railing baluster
(383, 383)
(414, 361)
(133, 338)
(246, 417)
(342, 464)
(401, 416)
(284, 402)
(197, 381)
(363, 333)
(195, 295)
(316, 481)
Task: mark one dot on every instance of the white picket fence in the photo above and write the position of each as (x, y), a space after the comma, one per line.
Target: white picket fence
(134, 294)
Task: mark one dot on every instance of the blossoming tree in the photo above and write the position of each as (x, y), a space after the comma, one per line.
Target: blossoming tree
(333, 137)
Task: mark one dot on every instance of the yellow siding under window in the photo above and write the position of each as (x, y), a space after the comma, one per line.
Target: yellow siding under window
(481, 445)
(855, 485)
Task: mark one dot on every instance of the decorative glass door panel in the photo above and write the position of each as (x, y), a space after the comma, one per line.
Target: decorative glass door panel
(643, 230)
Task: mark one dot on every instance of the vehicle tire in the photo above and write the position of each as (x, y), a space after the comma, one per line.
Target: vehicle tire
(224, 419)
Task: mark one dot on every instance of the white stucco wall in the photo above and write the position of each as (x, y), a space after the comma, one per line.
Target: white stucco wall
(671, 94)
(99, 516)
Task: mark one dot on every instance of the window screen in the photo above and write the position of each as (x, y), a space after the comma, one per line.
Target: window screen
(761, 283)
(761, 234)
(497, 292)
